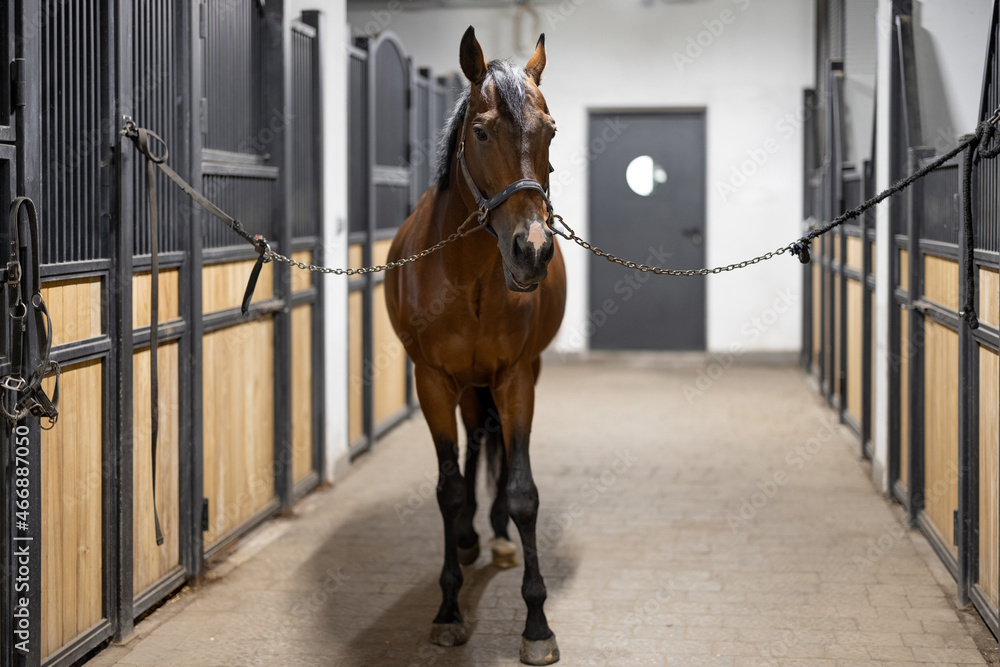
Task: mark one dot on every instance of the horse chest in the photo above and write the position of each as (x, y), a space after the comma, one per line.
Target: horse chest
(478, 336)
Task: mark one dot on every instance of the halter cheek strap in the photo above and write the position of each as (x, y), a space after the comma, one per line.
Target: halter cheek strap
(486, 205)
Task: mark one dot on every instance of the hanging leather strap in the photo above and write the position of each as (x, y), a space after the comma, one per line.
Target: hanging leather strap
(141, 138)
(154, 305)
(31, 397)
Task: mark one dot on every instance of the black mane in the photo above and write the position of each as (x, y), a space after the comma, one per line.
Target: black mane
(508, 81)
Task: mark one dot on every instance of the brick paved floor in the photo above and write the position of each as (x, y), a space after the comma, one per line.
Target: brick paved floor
(683, 522)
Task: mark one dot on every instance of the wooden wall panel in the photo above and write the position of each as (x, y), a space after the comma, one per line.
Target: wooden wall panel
(989, 303)
(905, 352)
(837, 296)
(389, 363)
(989, 473)
(941, 428)
(151, 562)
(302, 413)
(355, 363)
(941, 281)
(239, 424)
(380, 251)
(71, 497)
(301, 279)
(904, 269)
(855, 253)
(223, 285)
(855, 336)
(874, 252)
(169, 297)
(75, 307)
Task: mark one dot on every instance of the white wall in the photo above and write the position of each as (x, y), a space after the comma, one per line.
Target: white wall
(748, 72)
(333, 37)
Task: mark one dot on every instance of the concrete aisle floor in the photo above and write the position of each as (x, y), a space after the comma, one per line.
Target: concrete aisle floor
(684, 521)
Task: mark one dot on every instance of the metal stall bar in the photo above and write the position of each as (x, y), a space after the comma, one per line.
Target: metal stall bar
(304, 201)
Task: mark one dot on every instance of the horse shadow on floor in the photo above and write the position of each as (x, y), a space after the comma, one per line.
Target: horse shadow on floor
(375, 590)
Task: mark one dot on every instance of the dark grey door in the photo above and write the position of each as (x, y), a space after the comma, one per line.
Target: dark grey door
(647, 204)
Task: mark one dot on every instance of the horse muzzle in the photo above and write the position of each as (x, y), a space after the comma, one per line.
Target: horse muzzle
(527, 262)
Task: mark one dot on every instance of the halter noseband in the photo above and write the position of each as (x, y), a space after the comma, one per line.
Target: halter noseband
(486, 205)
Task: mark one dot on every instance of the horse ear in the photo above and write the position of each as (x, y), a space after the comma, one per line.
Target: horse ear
(537, 62)
(471, 57)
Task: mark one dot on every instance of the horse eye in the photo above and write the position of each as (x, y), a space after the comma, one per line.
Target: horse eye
(480, 133)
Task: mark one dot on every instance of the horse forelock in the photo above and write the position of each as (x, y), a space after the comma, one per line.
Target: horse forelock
(508, 85)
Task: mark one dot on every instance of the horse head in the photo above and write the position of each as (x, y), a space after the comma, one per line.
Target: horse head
(505, 145)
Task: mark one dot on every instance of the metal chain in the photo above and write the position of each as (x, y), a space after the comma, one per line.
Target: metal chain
(645, 268)
(461, 232)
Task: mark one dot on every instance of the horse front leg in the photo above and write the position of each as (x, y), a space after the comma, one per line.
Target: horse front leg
(515, 397)
(438, 399)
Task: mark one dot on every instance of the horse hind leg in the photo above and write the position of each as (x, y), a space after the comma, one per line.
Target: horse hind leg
(472, 417)
(482, 422)
(503, 550)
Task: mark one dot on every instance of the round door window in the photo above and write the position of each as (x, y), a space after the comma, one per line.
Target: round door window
(643, 175)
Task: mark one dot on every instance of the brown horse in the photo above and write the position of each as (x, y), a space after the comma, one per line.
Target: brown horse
(475, 317)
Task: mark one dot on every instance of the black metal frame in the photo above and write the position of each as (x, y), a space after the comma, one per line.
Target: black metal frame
(924, 221)
(114, 34)
(309, 26)
(904, 109)
(986, 255)
(380, 175)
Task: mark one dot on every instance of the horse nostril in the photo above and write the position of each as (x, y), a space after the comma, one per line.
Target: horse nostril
(520, 243)
(548, 250)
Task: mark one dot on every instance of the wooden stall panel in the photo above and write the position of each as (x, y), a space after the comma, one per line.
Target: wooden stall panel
(71, 493)
(989, 304)
(941, 281)
(855, 253)
(389, 361)
(837, 300)
(75, 307)
(302, 279)
(874, 256)
(989, 473)
(169, 290)
(380, 251)
(223, 285)
(905, 352)
(239, 424)
(904, 269)
(302, 416)
(941, 428)
(151, 562)
(855, 336)
(355, 363)
(355, 256)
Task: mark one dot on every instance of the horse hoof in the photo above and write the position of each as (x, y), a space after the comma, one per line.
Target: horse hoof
(504, 554)
(468, 556)
(449, 634)
(540, 652)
